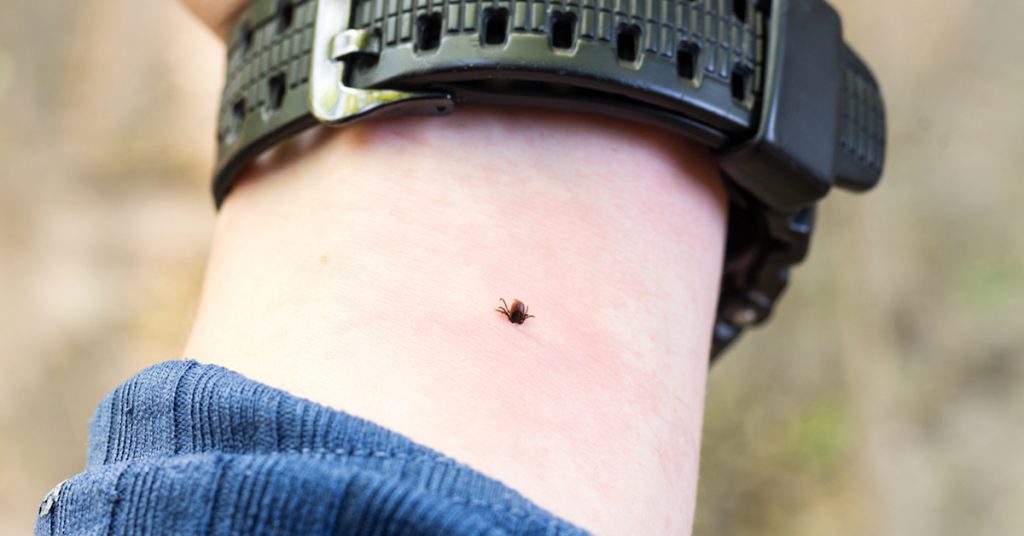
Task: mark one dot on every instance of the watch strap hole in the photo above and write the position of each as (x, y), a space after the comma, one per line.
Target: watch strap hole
(238, 111)
(428, 31)
(276, 86)
(627, 43)
(739, 8)
(563, 29)
(688, 60)
(495, 26)
(285, 15)
(740, 82)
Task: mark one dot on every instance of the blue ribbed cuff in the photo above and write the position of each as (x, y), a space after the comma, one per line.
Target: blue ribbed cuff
(185, 448)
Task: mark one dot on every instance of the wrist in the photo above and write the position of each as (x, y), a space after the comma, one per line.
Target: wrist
(364, 275)
(600, 216)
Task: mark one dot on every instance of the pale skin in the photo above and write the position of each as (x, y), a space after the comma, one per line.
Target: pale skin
(362, 271)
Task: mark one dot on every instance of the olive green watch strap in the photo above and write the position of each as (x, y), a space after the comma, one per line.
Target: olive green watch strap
(769, 85)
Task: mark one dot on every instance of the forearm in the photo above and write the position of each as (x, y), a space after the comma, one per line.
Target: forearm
(364, 275)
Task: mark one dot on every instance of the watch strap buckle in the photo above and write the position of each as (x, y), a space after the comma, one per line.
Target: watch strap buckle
(331, 99)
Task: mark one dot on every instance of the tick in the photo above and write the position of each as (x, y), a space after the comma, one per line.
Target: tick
(517, 314)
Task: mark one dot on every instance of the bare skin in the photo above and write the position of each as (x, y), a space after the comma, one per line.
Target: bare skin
(364, 275)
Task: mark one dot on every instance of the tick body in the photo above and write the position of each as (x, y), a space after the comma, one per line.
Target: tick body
(517, 313)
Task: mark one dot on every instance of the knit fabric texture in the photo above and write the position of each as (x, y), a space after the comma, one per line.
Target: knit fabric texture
(186, 448)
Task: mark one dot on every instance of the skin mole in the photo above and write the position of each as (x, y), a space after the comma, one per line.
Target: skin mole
(517, 313)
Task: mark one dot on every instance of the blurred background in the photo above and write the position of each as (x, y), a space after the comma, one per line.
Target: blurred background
(884, 398)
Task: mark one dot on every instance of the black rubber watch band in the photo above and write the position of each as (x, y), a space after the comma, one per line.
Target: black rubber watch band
(770, 85)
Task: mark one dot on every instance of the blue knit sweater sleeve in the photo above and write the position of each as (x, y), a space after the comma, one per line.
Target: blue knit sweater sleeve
(185, 448)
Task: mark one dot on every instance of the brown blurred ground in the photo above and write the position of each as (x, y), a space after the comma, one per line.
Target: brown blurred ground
(885, 397)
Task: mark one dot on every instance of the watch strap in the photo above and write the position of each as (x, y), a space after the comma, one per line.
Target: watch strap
(769, 85)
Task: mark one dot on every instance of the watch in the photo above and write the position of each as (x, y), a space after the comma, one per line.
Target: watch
(769, 85)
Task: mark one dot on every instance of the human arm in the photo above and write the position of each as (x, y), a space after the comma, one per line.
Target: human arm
(363, 270)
